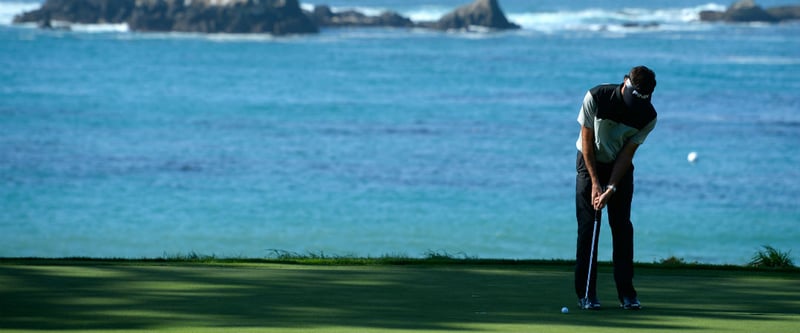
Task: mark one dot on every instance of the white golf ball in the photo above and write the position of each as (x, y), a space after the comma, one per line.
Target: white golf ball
(692, 157)
(564, 310)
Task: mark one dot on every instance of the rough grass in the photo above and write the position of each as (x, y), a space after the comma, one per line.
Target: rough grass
(771, 257)
(434, 294)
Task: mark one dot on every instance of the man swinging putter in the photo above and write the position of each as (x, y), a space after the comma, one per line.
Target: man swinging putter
(615, 119)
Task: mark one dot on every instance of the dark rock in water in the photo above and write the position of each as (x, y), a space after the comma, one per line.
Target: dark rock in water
(710, 15)
(482, 13)
(278, 17)
(785, 13)
(748, 11)
(393, 19)
(157, 15)
(291, 19)
(324, 16)
(79, 11)
(646, 25)
(45, 24)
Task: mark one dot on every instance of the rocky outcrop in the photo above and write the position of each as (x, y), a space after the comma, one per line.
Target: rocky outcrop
(710, 15)
(481, 13)
(277, 17)
(80, 11)
(785, 13)
(323, 16)
(749, 11)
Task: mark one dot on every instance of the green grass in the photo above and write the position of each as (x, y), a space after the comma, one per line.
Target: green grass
(434, 294)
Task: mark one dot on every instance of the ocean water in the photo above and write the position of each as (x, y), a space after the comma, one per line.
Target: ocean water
(373, 142)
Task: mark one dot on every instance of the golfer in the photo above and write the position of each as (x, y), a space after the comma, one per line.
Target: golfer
(615, 119)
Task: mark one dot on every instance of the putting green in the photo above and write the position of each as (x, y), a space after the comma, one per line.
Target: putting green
(126, 296)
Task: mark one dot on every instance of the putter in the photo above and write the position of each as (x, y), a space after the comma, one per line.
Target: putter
(597, 217)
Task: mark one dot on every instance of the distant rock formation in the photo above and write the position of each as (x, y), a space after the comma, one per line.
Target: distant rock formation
(785, 13)
(481, 13)
(323, 16)
(79, 11)
(749, 11)
(277, 17)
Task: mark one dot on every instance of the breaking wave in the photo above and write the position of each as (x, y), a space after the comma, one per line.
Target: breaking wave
(603, 19)
(589, 19)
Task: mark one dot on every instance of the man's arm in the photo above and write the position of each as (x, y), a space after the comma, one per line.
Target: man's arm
(621, 166)
(587, 149)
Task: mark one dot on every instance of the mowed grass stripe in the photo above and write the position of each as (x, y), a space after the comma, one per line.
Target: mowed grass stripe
(274, 297)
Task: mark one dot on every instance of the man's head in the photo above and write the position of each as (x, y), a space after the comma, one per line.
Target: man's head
(639, 85)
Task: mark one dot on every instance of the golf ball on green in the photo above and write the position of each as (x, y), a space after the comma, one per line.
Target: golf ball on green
(564, 310)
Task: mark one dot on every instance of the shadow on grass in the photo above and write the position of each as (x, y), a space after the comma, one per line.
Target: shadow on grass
(93, 296)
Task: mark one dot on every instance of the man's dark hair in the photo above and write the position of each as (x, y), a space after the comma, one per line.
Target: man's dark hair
(644, 79)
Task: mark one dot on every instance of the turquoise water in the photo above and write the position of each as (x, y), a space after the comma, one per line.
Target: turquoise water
(379, 141)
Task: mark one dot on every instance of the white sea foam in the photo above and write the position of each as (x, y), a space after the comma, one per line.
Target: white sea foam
(10, 9)
(225, 38)
(591, 19)
(426, 13)
(369, 11)
(98, 28)
(612, 20)
(307, 7)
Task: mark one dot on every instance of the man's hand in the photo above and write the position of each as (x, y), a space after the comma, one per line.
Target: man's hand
(597, 192)
(602, 199)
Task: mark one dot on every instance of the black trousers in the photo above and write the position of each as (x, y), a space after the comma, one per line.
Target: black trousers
(619, 219)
